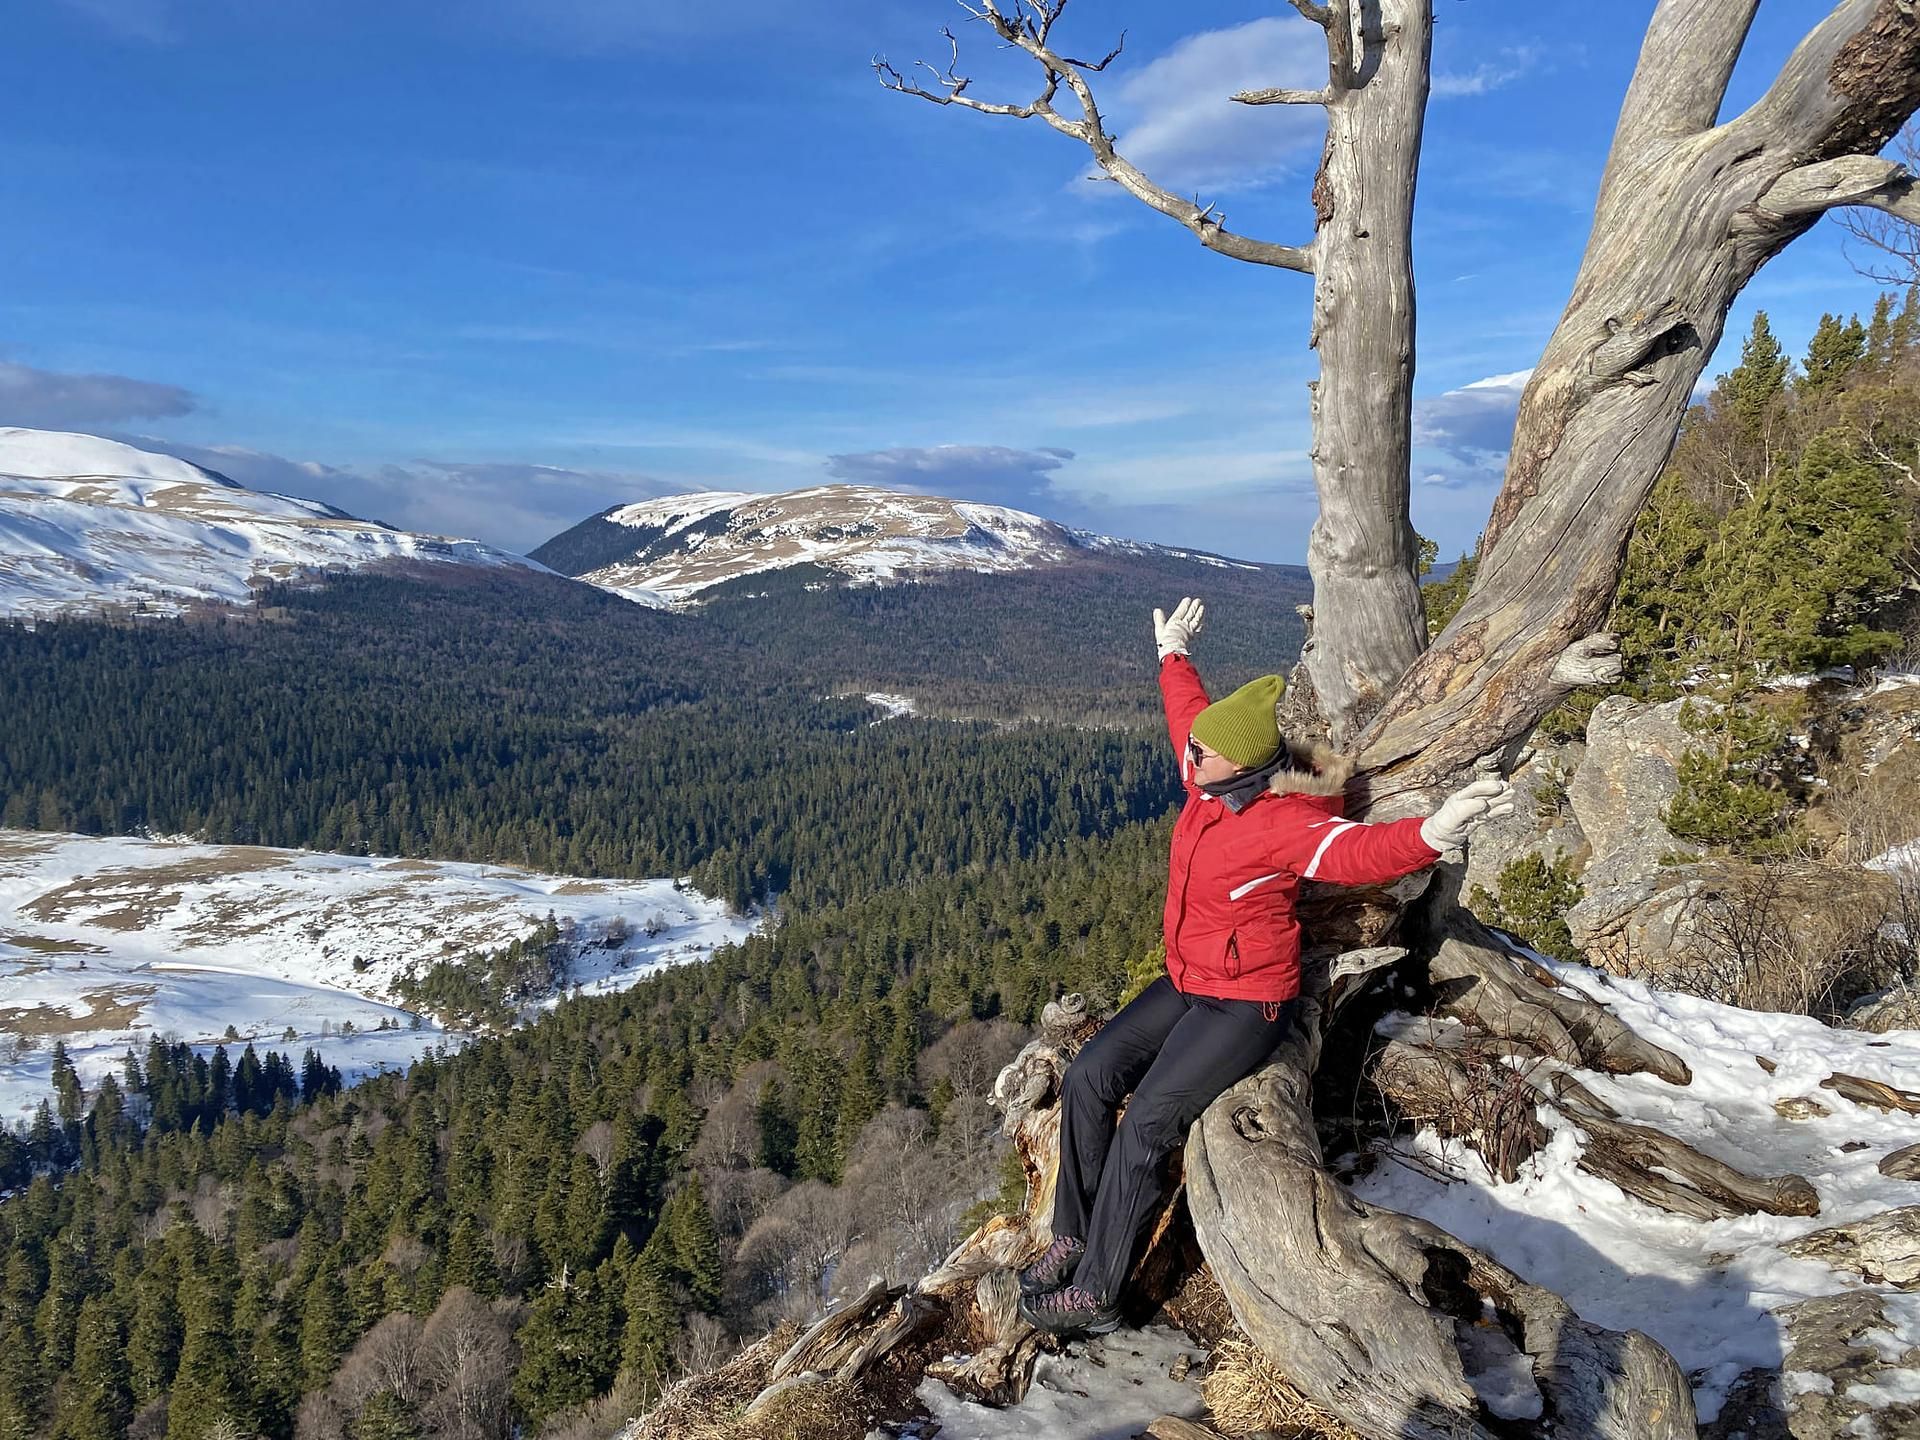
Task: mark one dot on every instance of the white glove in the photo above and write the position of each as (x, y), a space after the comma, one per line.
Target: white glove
(1172, 633)
(1447, 827)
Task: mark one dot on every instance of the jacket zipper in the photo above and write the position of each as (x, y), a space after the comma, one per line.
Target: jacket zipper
(1186, 882)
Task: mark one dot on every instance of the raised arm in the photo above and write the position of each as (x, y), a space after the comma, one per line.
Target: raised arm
(1181, 692)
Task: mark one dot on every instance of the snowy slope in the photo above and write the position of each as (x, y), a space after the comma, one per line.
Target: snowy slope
(669, 550)
(103, 941)
(1710, 1291)
(87, 524)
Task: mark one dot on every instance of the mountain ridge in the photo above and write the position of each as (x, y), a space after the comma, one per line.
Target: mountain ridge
(89, 525)
(672, 550)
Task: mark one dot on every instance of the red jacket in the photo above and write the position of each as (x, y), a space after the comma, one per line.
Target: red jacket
(1229, 922)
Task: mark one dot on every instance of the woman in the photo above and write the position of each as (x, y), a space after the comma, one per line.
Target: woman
(1261, 816)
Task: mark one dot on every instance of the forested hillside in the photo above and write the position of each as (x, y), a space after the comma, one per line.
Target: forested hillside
(602, 1198)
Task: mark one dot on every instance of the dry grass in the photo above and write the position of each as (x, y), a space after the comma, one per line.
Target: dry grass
(110, 1010)
(1249, 1395)
(704, 1407)
(48, 945)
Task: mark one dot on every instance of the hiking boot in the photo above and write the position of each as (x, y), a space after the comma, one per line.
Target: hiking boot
(1070, 1311)
(1054, 1267)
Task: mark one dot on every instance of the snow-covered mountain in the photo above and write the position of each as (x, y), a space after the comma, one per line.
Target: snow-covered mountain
(88, 524)
(670, 550)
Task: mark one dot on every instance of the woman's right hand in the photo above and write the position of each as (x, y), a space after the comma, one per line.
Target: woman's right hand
(1172, 633)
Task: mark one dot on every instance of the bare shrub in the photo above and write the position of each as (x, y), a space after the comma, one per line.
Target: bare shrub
(320, 1418)
(702, 1345)
(1480, 1094)
(737, 1198)
(213, 1205)
(596, 1143)
(730, 1133)
(1794, 937)
(387, 1357)
(466, 1363)
(970, 1055)
(598, 1418)
(404, 1254)
(785, 1257)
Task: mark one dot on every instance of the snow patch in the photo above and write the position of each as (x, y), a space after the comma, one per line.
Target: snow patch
(106, 941)
(1110, 1387)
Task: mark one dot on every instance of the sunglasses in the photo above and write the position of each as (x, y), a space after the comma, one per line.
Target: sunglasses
(1194, 752)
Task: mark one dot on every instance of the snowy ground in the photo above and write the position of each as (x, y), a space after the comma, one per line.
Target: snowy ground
(104, 941)
(1705, 1290)
(1110, 1387)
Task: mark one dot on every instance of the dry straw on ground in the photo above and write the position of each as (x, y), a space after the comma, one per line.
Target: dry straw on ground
(1249, 1395)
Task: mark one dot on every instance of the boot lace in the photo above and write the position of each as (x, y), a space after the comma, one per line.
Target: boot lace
(1056, 1257)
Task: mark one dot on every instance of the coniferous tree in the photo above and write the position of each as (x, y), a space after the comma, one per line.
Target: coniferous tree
(695, 1244)
(96, 1395)
(66, 1085)
(207, 1387)
(646, 1345)
(569, 1347)
(154, 1338)
(326, 1325)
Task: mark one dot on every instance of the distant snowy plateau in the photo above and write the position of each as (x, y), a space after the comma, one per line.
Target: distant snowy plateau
(104, 942)
(682, 545)
(88, 524)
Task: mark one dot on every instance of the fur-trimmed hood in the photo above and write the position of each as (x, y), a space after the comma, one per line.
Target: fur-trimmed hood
(1315, 769)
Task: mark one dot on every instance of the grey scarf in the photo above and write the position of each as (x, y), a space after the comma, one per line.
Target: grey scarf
(1239, 791)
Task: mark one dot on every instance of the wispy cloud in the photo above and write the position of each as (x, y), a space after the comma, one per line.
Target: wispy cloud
(996, 474)
(51, 400)
(1510, 63)
(148, 21)
(1180, 125)
(513, 505)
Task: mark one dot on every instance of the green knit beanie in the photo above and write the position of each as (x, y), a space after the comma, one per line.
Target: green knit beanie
(1243, 727)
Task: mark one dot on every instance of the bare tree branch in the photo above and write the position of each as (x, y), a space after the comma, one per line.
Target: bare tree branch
(1892, 227)
(1320, 15)
(1283, 97)
(1685, 63)
(1838, 91)
(1844, 180)
(1026, 26)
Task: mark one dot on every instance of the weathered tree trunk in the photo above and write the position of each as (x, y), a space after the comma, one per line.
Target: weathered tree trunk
(1370, 1312)
(1370, 624)
(1688, 213)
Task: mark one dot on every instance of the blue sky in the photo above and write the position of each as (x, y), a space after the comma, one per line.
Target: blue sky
(486, 268)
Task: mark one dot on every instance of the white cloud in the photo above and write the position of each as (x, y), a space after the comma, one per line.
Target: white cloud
(1470, 428)
(1181, 127)
(514, 506)
(51, 400)
(1473, 420)
(1509, 64)
(996, 474)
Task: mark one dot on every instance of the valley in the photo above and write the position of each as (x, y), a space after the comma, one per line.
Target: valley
(107, 941)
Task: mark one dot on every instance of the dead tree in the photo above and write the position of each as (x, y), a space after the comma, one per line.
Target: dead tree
(1365, 1309)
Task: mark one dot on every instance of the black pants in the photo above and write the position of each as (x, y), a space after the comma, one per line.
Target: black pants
(1176, 1053)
